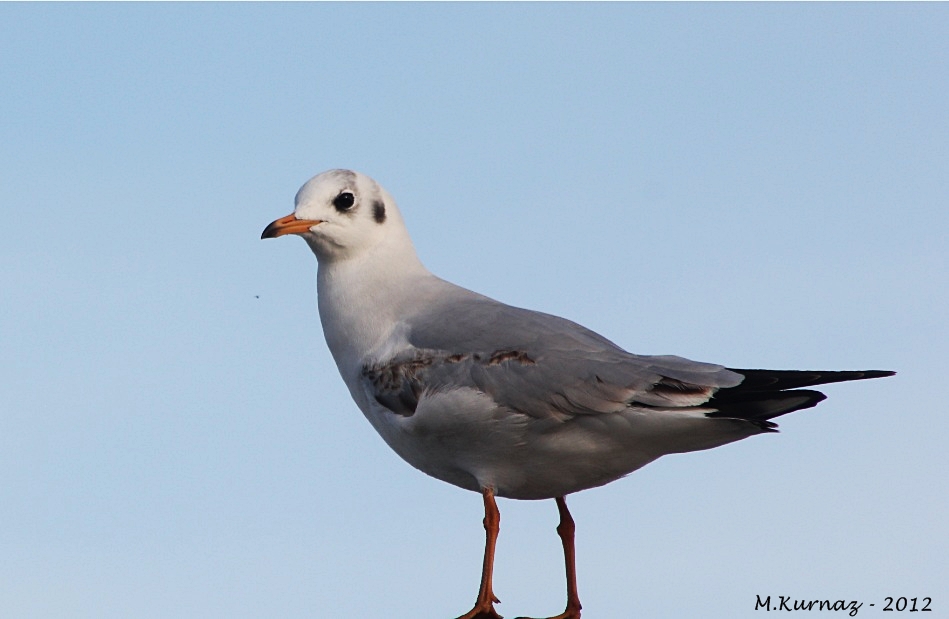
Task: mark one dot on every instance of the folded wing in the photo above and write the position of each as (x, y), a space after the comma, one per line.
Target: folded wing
(548, 367)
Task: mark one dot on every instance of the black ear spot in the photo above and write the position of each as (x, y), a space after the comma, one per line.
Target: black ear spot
(379, 211)
(344, 201)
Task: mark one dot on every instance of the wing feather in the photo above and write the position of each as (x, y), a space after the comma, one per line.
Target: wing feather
(547, 367)
(536, 364)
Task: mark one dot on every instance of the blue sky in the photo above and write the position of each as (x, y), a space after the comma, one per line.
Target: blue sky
(756, 185)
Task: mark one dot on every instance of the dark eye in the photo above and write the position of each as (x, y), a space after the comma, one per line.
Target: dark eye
(344, 201)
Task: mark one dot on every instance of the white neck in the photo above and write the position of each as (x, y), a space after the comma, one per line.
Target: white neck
(362, 298)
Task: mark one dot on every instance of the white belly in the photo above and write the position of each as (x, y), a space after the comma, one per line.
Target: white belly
(463, 438)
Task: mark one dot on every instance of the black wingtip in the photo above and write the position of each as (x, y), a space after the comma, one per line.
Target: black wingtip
(766, 394)
(878, 373)
(776, 380)
(759, 406)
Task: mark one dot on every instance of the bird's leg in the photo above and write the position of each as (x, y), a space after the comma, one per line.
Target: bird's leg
(484, 606)
(566, 530)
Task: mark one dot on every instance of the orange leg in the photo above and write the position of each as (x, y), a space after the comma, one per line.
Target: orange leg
(566, 530)
(484, 606)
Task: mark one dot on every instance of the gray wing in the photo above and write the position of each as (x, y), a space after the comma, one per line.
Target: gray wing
(534, 363)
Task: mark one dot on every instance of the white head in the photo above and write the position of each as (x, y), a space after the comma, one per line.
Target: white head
(344, 214)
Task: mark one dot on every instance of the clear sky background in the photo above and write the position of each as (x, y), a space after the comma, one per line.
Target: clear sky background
(755, 185)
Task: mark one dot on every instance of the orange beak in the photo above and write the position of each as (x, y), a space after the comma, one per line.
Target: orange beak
(288, 225)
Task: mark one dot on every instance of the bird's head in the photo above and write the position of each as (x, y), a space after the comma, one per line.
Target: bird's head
(340, 214)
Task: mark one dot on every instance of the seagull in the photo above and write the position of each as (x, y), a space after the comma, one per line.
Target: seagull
(504, 401)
